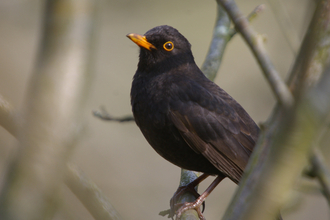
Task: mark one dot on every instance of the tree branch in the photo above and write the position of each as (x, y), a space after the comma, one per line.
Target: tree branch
(321, 172)
(90, 195)
(288, 29)
(52, 116)
(290, 146)
(255, 43)
(9, 118)
(275, 162)
(221, 36)
(250, 17)
(104, 115)
(85, 190)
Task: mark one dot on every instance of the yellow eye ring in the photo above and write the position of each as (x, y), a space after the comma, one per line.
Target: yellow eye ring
(168, 46)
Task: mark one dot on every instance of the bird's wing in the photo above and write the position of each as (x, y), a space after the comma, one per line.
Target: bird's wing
(216, 126)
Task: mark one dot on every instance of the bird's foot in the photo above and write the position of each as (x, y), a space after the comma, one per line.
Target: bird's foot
(177, 201)
(191, 206)
(176, 205)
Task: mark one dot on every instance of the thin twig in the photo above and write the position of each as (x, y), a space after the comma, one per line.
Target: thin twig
(284, 21)
(255, 43)
(254, 14)
(104, 115)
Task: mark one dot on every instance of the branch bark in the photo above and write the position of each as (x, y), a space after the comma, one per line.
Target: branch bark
(255, 42)
(90, 195)
(321, 173)
(221, 36)
(52, 113)
(287, 27)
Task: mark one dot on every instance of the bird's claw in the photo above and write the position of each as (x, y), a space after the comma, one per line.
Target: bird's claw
(190, 205)
(174, 205)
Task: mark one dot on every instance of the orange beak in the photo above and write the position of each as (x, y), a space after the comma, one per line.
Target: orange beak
(141, 41)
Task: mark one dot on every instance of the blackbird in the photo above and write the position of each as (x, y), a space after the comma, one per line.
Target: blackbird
(189, 120)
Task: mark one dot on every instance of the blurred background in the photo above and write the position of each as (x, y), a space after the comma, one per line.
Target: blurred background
(138, 182)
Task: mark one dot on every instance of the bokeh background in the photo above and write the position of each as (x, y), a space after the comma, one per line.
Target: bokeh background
(138, 182)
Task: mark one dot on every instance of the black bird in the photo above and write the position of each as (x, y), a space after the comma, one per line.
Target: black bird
(185, 117)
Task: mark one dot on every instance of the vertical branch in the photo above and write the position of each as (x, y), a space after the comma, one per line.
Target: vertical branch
(218, 44)
(52, 112)
(314, 54)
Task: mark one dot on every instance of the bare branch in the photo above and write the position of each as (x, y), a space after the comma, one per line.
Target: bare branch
(85, 190)
(288, 29)
(104, 115)
(322, 173)
(250, 17)
(290, 146)
(221, 35)
(9, 118)
(186, 178)
(52, 112)
(90, 195)
(218, 44)
(314, 54)
(279, 158)
(255, 43)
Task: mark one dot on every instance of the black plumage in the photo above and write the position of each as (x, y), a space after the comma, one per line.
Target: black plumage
(185, 117)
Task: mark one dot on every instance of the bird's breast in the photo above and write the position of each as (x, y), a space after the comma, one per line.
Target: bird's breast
(149, 104)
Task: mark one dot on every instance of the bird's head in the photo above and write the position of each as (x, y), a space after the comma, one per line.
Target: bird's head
(162, 47)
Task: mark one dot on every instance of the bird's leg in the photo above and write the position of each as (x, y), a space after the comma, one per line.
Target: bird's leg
(184, 189)
(198, 202)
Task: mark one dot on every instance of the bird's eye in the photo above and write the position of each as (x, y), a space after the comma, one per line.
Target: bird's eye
(168, 46)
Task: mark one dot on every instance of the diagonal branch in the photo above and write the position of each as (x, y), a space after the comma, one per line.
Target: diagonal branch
(90, 195)
(9, 118)
(255, 43)
(287, 27)
(85, 190)
(250, 17)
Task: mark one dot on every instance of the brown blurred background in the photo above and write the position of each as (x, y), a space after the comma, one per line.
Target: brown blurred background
(138, 182)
